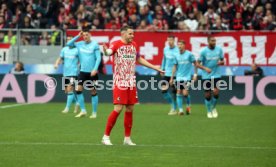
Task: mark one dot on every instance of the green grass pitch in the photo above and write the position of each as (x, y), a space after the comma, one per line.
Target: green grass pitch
(40, 135)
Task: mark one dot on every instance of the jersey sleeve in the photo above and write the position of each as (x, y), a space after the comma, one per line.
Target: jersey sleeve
(163, 60)
(113, 47)
(98, 57)
(61, 55)
(192, 58)
(202, 56)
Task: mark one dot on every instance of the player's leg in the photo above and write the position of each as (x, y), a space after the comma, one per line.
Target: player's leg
(80, 97)
(188, 101)
(119, 100)
(167, 96)
(111, 121)
(208, 103)
(128, 121)
(214, 102)
(94, 97)
(179, 101)
(70, 98)
(174, 92)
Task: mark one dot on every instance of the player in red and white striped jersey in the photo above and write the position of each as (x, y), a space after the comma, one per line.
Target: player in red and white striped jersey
(125, 56)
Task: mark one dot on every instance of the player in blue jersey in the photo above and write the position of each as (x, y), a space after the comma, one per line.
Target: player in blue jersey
(169, 52)
(90, 59)
(69, 57)
(183, 67)
(211, 57)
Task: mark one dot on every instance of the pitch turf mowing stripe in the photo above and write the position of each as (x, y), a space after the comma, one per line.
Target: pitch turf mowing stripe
(142, 145)
(14, 105)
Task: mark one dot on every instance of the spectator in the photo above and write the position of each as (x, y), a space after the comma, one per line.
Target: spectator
(18, 68)
(271, 24)
(133, 21)
(210, 16)
(218, 26)
(44, 39)
(177, 17)
(255, 71)
(10, 38)
(191, 22)
(2, 22)
(237, 22)
(27, 23)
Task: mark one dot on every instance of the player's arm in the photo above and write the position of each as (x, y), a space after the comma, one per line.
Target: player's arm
(107, 51)
(173, 72)
(98, 61)
(163, 62)
(58, 62)
(195, 71)
(199, 65)
(73, 40)
(144, 62)
(221, 60)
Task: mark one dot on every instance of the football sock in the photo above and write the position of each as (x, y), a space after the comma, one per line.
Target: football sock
(214, 101)
(81, 102)
(70, 98)
(188, 100)
(95, 102)
(179, 100)
(128, 123)
(111, 122)
(169, 99)
(208, 104)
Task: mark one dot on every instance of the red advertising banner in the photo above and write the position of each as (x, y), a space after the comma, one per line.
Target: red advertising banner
(240, 48)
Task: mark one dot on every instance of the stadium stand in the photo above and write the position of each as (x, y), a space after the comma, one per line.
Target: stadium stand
(188, 15)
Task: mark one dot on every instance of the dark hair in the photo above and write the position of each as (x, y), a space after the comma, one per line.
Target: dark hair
(209, 37)
(125, 28)
(85, 29)
(171, 36)
(181, 41)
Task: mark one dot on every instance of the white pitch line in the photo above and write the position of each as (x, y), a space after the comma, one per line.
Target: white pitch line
(142, 145)
(14, 105)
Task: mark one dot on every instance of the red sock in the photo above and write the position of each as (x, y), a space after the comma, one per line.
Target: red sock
(111, 122)
(128, 123)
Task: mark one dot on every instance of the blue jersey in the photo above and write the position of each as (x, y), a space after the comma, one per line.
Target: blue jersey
(70, 61)
(89, 54)
(209, 58)
(184, 62)
(168, 60)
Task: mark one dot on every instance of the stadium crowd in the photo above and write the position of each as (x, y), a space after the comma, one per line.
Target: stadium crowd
(150, 15)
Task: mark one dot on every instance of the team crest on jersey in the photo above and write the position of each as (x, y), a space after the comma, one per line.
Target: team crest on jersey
(118, 98)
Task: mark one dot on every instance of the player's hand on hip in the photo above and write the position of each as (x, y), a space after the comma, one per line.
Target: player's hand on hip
(56, 66)
(93, 73)
(208, 70)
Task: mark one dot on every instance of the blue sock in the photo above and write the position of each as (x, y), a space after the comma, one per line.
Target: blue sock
(169, 99)
(81, 102)
(214, 101)
(70, 98)
(94, 101)
(179, 100)
(188, 100)
(208, 104)
(174, 101)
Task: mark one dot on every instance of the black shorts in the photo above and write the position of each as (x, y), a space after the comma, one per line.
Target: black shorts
(210, 84)
(86, 80)
(69, 80)
(183, 85)
(166, 80)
